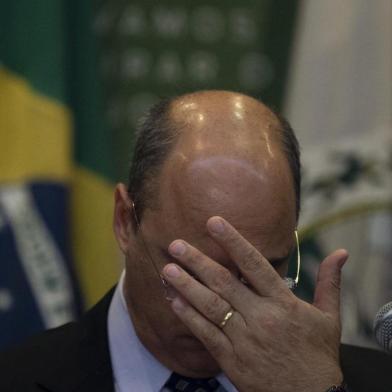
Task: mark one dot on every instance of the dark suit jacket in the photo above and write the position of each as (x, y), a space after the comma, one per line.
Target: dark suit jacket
(75, 357)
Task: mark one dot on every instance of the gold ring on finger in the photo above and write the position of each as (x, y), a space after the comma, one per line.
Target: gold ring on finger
(226, 318)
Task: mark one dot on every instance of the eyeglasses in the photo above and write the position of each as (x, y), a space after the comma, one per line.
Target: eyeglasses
(292, 283)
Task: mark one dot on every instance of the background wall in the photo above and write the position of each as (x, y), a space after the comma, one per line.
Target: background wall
(76, 77)
(339, 101)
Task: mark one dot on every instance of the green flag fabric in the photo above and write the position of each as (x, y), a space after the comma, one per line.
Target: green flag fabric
(55, 194)
(37, 285)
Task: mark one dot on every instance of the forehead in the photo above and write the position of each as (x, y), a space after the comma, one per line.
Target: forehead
(259, 203)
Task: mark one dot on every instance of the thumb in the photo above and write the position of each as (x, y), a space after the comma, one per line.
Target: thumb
(327, 292)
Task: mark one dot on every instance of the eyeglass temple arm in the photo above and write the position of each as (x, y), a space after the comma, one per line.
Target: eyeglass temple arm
(164, 282)
(298, 256)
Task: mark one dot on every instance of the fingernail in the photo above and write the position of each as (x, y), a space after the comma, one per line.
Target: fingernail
(177, 304)
(177, 248)
(342, 261)
(216, 225)
(172, 271)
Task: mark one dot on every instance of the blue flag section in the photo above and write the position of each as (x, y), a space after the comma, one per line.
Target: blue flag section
(36, 280)
(37, 283)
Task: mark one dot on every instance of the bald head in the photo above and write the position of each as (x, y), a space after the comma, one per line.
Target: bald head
(221, 139)
(221, 122)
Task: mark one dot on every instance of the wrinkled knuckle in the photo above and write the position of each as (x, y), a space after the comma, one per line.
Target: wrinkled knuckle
(222, 280)
(211, 341)
(335, 283)
(289, 302)
(212, 306)
(257, 318)
(269, 319)
(272, 324)
(251, 263)
(197, 257)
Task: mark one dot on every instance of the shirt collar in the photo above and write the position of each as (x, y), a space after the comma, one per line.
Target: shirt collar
(133, 365)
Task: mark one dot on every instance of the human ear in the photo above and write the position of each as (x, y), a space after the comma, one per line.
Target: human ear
(122, 217)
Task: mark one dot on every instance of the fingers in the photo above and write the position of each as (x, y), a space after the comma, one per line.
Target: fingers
(253, 265)
(327, 292)
(216, 277)
(210, 335)
(207, 302)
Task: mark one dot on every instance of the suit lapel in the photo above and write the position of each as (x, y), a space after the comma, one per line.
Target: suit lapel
(366, 369)
(83, 361)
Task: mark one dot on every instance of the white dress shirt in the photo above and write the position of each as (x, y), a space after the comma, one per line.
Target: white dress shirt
(134, 367)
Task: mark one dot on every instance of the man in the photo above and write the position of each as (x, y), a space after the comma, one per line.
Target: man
(207, 226)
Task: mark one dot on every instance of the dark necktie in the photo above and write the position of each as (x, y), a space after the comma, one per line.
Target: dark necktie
(178, 383)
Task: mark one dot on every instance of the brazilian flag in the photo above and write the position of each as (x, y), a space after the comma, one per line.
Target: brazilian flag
(55, 175)
(56, 152)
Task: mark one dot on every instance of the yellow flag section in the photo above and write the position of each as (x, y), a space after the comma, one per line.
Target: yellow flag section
(35, 133)
(36, 144)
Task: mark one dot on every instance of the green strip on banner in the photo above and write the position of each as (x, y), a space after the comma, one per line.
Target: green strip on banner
(155, 49)
(93, 148)
(32, 43)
